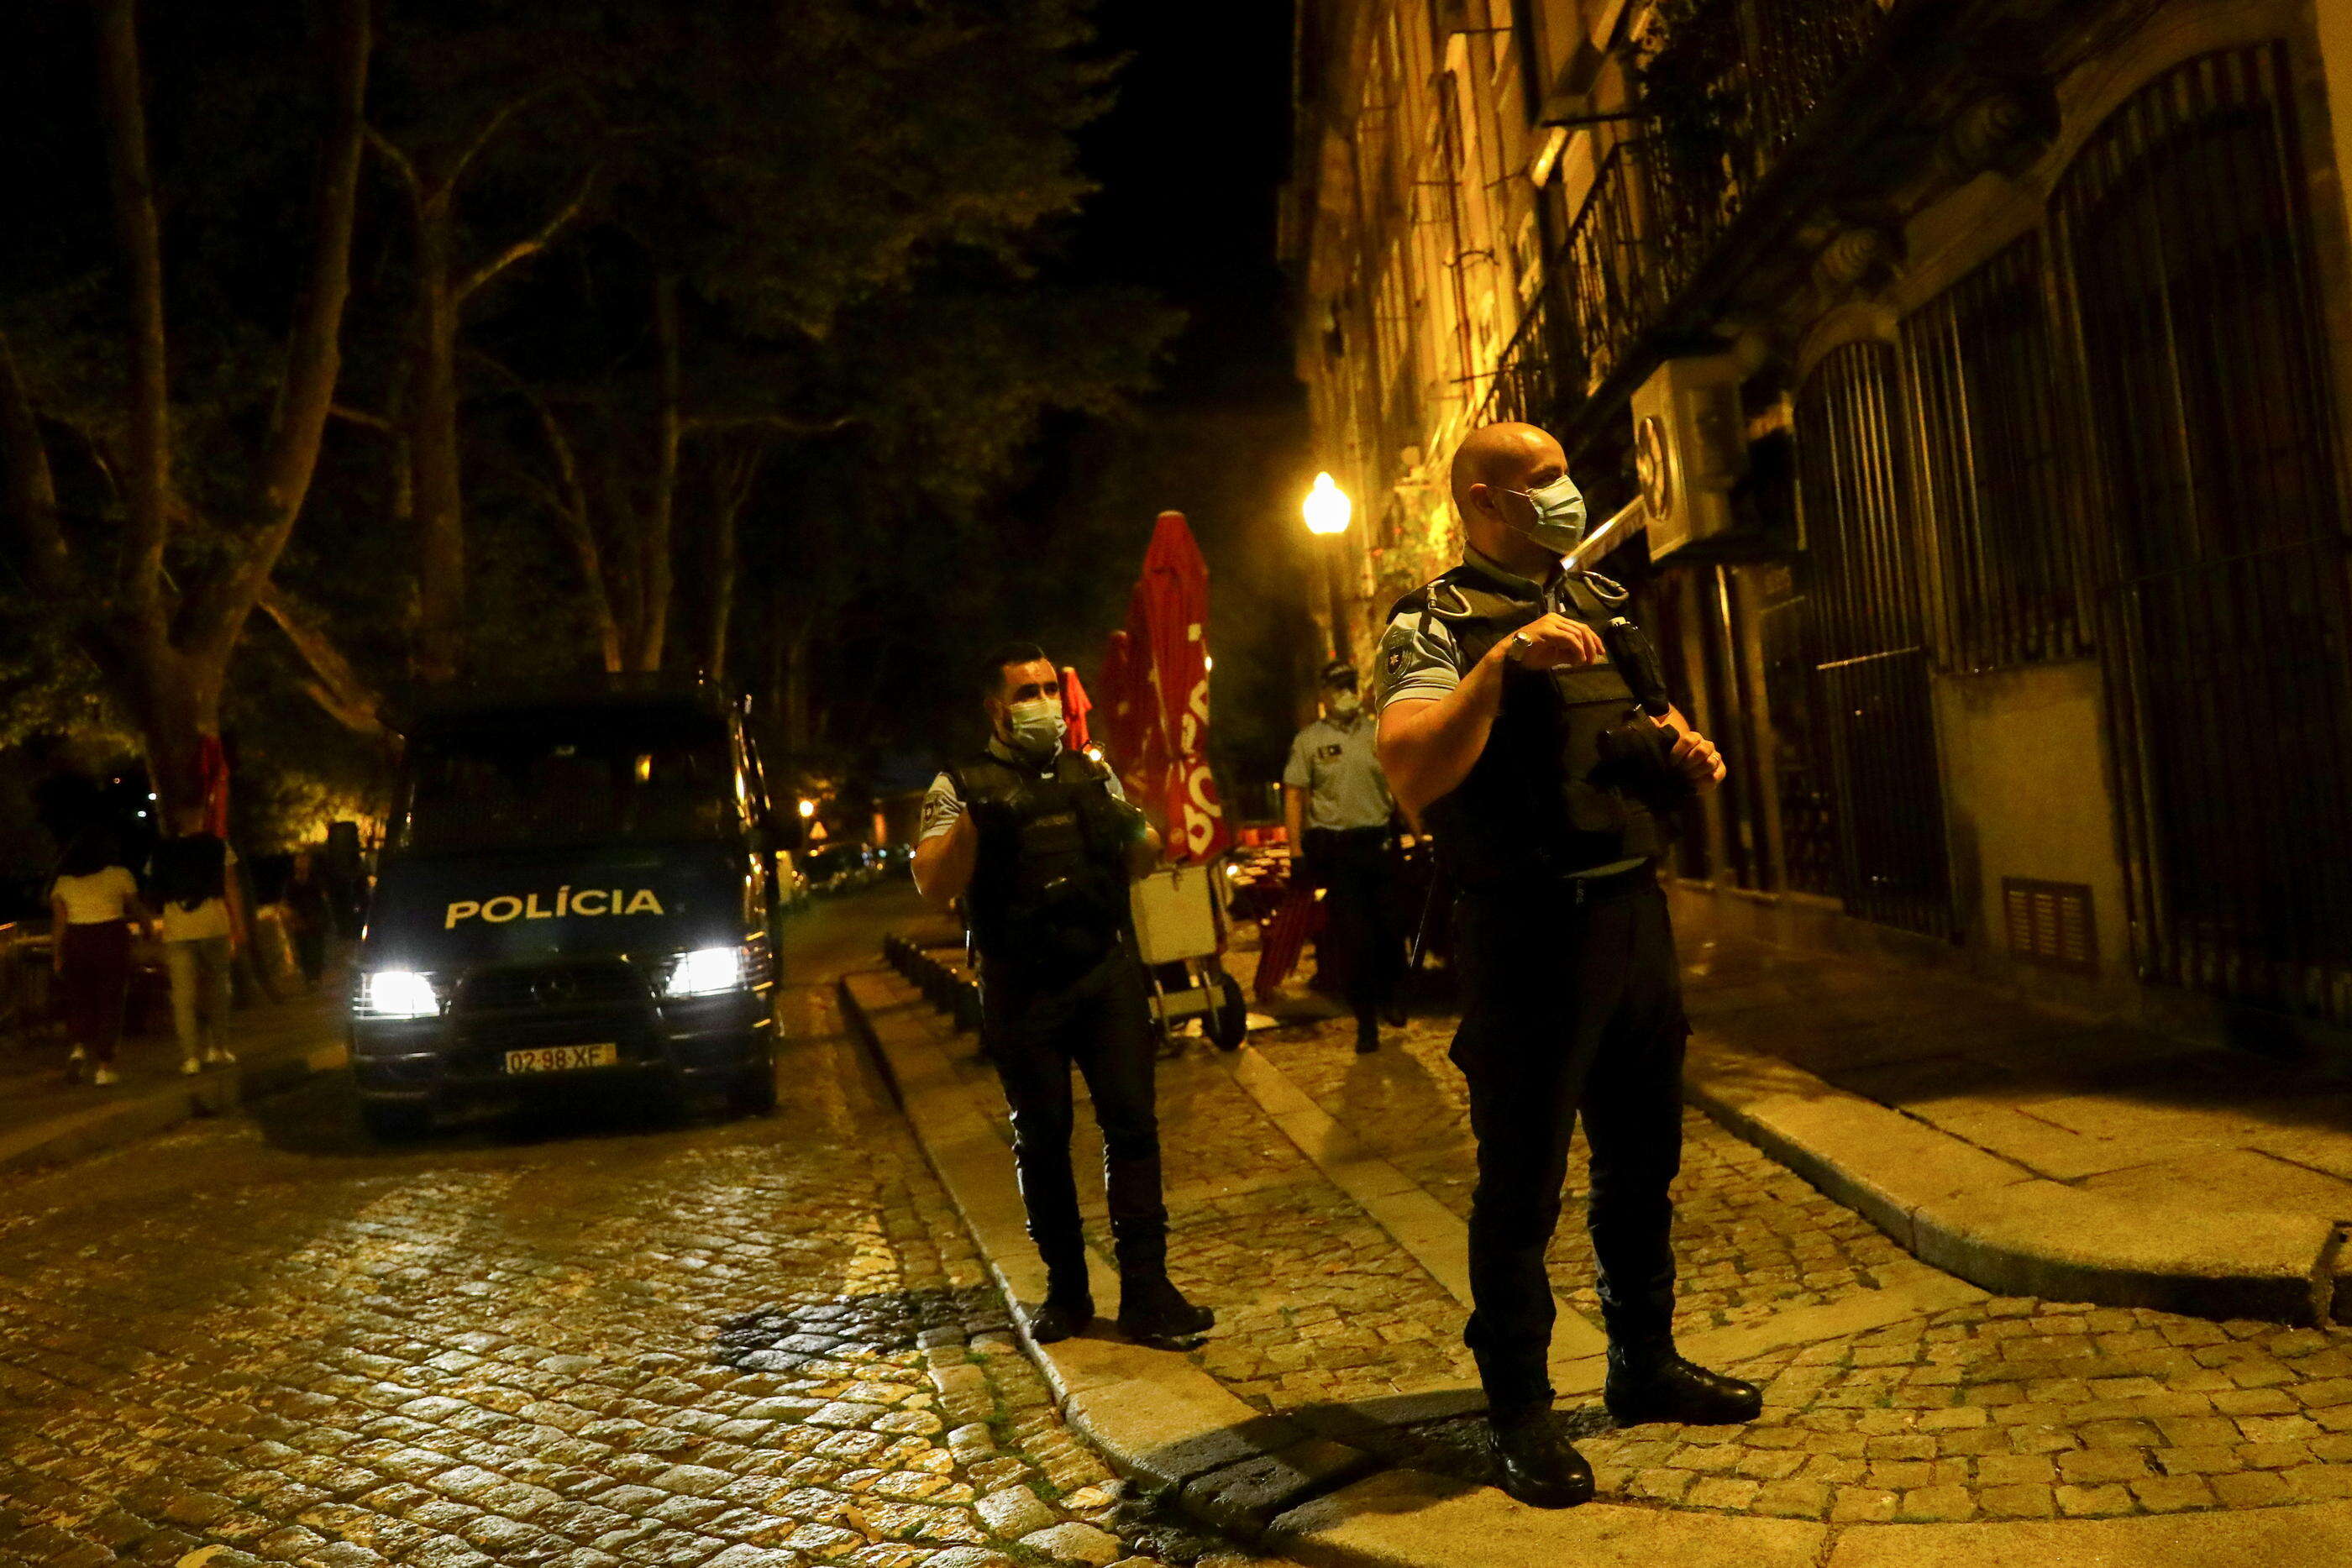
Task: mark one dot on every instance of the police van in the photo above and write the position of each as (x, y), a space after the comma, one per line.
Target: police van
(573, 889)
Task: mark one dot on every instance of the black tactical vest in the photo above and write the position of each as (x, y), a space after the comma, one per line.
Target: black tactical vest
(1048, 896)
(1528, 809)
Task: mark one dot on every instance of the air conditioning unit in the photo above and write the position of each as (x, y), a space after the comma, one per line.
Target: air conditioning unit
(1689, 448)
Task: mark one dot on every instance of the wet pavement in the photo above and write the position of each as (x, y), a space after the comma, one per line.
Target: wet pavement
(602, 1334)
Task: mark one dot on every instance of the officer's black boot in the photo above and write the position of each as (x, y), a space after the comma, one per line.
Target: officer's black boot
(1648, 1382)
(1540, 1468)
(1151, 1311)
(1368, 1036)
(1068, 1306)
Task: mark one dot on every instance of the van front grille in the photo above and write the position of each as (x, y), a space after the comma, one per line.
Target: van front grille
(558, 987)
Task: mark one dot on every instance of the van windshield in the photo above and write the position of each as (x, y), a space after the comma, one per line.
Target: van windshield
(532, 781)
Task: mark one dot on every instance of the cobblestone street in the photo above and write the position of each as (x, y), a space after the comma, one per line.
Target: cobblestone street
(615, 1339)
(1894, 1393)
(2008, 1408)
(600, 1335)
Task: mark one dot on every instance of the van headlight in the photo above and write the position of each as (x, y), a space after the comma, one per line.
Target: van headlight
(706, 972)
(398, 994)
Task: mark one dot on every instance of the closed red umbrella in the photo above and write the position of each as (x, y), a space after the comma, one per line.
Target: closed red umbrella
(1075, 706)
(1122, 699)
(1168, 621)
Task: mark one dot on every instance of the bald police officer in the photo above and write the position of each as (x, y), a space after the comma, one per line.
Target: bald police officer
(1504, 724)
(1039, 843)
(1336, 806)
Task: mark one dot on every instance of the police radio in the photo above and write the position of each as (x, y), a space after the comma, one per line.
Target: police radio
(1637, 755)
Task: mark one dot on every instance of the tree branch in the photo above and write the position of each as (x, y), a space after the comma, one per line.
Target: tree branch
(314, 353)
(389, 151)
(523, 249)
(781, 424)
(490, 128)
(360, 416)
(335, 685)
(28, 489)
(568, 499)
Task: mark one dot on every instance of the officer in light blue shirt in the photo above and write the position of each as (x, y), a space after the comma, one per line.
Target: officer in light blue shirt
(1336, 806)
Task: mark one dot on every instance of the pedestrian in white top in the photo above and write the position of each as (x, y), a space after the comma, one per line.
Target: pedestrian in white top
(203, 928)
(93, 907)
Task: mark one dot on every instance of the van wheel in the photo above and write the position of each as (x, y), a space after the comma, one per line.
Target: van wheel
(396, 1120)
(753, 1094)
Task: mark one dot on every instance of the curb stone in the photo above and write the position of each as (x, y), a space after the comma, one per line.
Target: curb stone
(1163, 1423)
(1173, 1431)
(1999, 1226)
(144, 1112)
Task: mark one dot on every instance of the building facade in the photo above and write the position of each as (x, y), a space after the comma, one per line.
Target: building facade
(1978, 370)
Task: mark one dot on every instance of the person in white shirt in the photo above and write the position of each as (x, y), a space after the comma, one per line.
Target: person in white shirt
(193, 877)
(93, 907)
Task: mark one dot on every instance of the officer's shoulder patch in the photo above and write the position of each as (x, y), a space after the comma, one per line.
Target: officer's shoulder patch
(1396, 658)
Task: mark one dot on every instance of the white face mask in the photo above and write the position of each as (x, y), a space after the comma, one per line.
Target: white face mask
(1345, 704)
(1559, 516)
(1036, 726)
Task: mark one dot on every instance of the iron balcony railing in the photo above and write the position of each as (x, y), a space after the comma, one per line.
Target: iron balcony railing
(1726, 100)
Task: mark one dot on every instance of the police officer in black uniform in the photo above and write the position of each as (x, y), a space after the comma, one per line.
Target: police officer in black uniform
(1508, 725)
(1040, 843)
(1337, 809)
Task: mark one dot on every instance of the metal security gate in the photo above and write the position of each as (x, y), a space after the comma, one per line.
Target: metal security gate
(1867, 648)
(2218, 531)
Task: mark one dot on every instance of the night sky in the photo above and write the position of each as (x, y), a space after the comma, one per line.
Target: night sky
(1190, 159)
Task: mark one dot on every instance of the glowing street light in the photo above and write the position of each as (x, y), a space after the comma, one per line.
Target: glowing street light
(808, 807)
(1327, 508)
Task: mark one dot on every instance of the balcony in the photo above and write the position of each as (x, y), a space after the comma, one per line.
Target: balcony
(1726, 99)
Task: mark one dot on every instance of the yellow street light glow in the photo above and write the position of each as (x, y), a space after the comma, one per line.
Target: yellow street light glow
(808, 807)
(1327, 508)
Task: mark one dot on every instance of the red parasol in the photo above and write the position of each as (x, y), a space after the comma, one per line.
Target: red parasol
(1124, 706)
(1075, 706)
(1166, 624)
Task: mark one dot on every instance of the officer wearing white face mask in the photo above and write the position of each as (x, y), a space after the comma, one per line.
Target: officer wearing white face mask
(1522, 720)
(1336, 806)
(1040, 844)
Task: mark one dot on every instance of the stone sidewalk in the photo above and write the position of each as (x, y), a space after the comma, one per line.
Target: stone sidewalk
(44, 1119)
(2025, 1148)
(1319, 1200)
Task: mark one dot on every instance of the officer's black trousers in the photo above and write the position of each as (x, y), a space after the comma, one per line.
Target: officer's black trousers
(1568, 1005)
(1351, 866)
(1100, 1024)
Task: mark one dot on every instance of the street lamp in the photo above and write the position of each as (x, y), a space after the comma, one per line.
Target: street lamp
(1327, 508)
(808, 807)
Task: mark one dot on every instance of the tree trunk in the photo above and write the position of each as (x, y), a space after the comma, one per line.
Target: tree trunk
(174, 704)
(799, 737)
(734, 475)
(168, 664)
(722, 592)
(123, 95)
(656, 566)
(439, 494)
